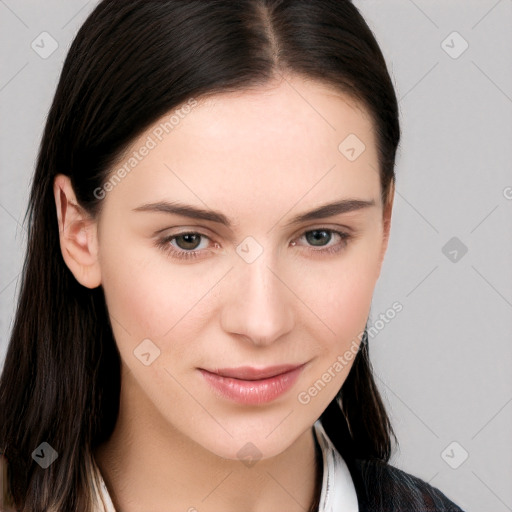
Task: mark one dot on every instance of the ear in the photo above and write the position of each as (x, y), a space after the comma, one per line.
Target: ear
(386, 221)
(77, 233)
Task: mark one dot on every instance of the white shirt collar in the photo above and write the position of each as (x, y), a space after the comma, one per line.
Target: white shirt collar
(338, 492)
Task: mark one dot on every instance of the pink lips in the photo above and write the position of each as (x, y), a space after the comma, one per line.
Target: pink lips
(253, 386)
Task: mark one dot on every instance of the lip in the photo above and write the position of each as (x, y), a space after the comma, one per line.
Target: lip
(252, 386)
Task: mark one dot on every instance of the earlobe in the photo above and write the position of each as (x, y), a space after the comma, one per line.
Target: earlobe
(77, 234)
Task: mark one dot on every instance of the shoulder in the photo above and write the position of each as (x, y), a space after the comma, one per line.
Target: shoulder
(385, 488)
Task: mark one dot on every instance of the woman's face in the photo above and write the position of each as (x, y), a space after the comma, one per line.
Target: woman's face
(250, 285)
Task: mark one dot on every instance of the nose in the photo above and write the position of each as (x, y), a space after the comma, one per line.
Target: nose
(258, 304)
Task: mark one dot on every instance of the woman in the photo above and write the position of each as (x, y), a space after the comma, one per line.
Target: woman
(208, 219)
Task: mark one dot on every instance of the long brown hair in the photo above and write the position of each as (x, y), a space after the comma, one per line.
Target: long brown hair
(132, 62)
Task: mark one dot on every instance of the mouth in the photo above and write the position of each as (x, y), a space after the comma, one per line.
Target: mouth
(252, 386)
(251, 373)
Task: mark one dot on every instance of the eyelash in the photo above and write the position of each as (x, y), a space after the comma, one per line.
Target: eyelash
(165, 246)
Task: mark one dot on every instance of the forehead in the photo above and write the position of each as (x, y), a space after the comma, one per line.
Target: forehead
(295, 118)
(267, 145)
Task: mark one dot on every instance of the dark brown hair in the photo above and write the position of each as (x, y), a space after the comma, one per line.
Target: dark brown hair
(132, 62)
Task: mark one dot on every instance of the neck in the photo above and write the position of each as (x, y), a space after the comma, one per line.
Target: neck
(147, 464)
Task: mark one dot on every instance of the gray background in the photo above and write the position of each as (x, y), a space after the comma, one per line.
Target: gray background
(443, 363)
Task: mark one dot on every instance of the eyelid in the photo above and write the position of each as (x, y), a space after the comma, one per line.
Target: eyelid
(326, 226)
(207, 233)
(185, 229)
(345, 235)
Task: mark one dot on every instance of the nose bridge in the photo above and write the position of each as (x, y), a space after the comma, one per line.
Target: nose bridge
(259, 306)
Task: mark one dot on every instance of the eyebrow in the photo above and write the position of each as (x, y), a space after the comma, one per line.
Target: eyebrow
(193, 212)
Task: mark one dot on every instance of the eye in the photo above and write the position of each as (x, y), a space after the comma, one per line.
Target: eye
(317, 236)
(187, 241)
(186, 244)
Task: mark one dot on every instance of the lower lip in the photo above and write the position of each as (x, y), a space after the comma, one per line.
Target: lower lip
(252, 392)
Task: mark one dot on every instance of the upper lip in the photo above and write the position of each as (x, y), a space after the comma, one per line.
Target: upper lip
(251, 373)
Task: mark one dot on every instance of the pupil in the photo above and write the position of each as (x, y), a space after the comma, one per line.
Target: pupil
(315, 238)
(189, 239)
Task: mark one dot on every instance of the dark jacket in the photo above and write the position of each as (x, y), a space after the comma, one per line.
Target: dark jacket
(381, 487)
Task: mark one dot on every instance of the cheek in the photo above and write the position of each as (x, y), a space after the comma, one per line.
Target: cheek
(341, 300)
(133, 291)
(149, 297)
(344, 312)
(340, 292)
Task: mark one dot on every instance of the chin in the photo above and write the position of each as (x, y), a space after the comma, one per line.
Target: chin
(249, 445)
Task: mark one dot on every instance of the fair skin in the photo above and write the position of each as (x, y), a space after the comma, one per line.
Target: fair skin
(260, 157)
